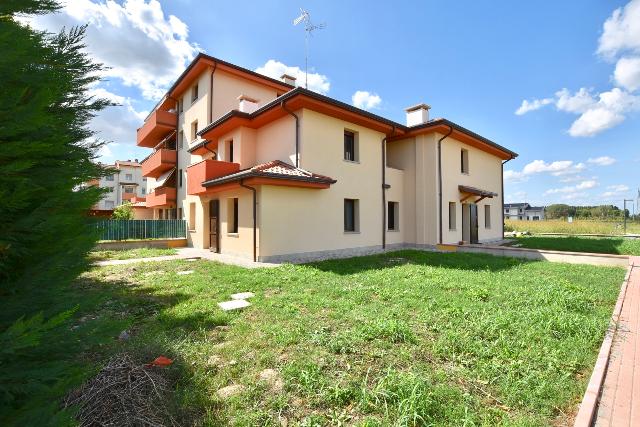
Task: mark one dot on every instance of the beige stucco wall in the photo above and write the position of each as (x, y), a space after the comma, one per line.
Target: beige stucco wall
(484, 173)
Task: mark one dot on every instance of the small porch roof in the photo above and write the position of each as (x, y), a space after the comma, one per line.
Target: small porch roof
(473, 191)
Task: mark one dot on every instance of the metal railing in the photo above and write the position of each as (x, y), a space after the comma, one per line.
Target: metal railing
(140, 229)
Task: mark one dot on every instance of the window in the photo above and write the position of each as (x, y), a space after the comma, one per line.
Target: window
(351, 216)
(393, 216)
(194, 93)
(110, 189)
(180, 178)
(452, 216)
(109, 177)
(180, 140)
(179, 213)
(487, 216)
(192, 216)
(350, 146)
(129, 190)
(228, 150)
(108, 204)
(464, 161)
(180, 105)
(194, 130)
(232, 215)
(144, 191)
(128, 177)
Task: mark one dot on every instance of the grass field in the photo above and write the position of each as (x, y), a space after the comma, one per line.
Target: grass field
(576, 227)
(405, 338)
(604, 245)
(130, 253)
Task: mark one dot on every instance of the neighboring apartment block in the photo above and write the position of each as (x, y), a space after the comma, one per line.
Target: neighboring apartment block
(523, 211)
(262, 169)
(125, 183)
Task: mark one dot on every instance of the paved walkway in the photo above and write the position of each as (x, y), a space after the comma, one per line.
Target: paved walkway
(186, 253)
(613, 395)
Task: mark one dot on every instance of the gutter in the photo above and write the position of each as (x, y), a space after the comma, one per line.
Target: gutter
(255, 203)
(385, 186)
(282, 104)
(502, 192)
(440, 183)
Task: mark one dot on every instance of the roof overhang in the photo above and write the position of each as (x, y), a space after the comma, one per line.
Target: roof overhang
(469, 192)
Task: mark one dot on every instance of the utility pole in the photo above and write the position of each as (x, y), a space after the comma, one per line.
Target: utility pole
(624, 213)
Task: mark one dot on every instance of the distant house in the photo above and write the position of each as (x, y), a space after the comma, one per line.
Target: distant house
(125, 185)
(523, 212)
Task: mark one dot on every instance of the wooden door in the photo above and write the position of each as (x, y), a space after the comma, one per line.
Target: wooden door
(473, 223)
(214, 226)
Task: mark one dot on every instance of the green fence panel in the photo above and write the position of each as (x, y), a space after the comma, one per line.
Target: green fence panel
(137, 229)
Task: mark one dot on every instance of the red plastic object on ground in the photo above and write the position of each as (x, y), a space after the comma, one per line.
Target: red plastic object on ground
(162, 361)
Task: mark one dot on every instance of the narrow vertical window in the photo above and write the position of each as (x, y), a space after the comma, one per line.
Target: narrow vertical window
(464, 161)
(487, 216)
(232, 215)
(393, 216)
(350, 215)
(452, 215)
(194, 130)
(192, 216)
(231, 151)
(349, 146)
(194, 93)
(180, 140)
(180, 178)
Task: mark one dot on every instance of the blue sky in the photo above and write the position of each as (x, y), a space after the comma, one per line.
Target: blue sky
(473, 62)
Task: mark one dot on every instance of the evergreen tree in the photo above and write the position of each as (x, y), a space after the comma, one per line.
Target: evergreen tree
(46, 150)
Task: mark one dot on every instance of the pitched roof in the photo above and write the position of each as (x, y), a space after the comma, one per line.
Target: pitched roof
(275, 169)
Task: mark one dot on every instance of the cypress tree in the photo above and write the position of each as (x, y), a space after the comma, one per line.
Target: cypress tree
(47, 152)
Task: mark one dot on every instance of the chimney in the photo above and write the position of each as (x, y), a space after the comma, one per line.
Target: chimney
(417, 115)
(247, 104)
(288, 79)
(135, 160)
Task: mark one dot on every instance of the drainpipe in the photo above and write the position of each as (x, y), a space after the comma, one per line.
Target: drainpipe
(502, 193)
(440, 183)
(385, 186)
(210, 116)
(253, 190)
(177, 153)
(297, 132)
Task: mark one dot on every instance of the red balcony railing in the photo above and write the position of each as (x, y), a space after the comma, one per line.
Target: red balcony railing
(206, 170)
(161, 196)
(158, 125)
(128, 196)
(159, 162)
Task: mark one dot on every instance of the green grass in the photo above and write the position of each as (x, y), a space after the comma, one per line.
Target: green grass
(130, 253)
(405, 338)
(575, 227)
(604, 245)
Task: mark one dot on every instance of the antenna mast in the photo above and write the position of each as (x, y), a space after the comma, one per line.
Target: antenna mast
(308, 31)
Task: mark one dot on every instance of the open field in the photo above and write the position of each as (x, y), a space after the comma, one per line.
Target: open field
(404, 338)
(576, 227)
(603, 245)
(130, 253)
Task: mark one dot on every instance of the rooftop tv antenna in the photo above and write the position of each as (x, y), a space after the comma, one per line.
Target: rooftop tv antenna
(309, 28)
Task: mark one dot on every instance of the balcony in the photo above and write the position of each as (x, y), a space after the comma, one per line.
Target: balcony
(206, 170)
(158, 125)
(159, 162)
(138, 199)
(161, 196)
(128, 196)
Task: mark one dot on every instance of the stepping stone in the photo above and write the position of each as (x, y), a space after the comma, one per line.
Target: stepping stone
(182, 273)
(192, 259)
(243, 295)
(233, 304)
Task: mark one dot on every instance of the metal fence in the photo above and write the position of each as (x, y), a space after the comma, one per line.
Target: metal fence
(138, 229)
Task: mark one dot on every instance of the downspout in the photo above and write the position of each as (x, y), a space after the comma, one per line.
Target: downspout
(385, 186)
(177, 152)
(502, 192)
(297, 132)
(255, 202)
(210, 115)
(440, 183)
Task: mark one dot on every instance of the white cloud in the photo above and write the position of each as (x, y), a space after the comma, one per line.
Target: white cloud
(105, 153)
(317, 82)
(557, 168)
(117, 124)
(366, 100)
(616, 190)
(141, 47)
(604, 110)
(533, 105)
(621, 31)
(627, 73)
(602, 161)
(573, 189)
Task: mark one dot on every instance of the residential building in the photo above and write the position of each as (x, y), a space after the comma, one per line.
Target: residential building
(262, 169)
(125, 183)
(523, 212)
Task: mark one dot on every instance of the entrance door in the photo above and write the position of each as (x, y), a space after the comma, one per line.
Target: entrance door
(214, 226)
(473, 223)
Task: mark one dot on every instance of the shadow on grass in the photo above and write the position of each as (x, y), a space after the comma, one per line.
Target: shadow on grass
(606, 245)
(457, 261)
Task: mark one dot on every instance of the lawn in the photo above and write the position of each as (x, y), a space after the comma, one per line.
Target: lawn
(130, 253)
(604, 245)
(575, 227)
(405, 338)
